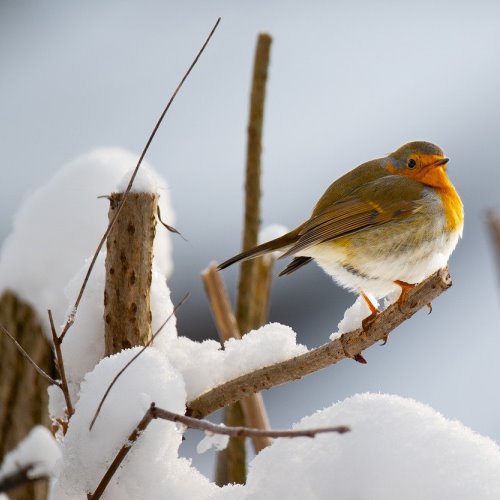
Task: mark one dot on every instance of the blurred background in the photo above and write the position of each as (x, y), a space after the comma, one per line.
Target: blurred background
(349, 81)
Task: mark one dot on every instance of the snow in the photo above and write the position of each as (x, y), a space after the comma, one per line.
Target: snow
(205, 364)
(153, 465)
(211, 440)
(38, 449)
(398, 448)
(145, 182)
(60, 224)
(353, 316)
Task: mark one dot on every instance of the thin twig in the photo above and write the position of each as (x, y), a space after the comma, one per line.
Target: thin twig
(205, 425)
(159, 413)
(45, 375)
(103, 483)
(71, 318)
(117, 376)
(349, 345)
(60, 366)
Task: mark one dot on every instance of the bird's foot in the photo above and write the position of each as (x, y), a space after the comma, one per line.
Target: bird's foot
(366, 323)
(429, 305)
(405, 288)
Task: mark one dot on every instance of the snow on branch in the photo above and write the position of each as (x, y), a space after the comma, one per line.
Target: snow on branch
(158, 413)
(349, 345)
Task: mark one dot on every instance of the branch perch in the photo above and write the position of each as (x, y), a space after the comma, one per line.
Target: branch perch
(349, 345)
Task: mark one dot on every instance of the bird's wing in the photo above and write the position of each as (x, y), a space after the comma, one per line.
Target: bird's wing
(375, 203)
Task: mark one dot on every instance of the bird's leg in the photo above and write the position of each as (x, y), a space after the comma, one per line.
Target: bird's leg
(405, 288)
(374, 312)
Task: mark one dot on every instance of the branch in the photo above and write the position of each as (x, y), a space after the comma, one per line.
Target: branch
(158, 413)
(60, 367)
(253, 407)
(45, 375)
(252, 179)
(349, 345)
(71, 318)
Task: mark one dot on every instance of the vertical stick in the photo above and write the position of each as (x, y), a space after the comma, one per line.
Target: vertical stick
(253, 406)
(231, 466)
(127, 310)
(252, 182)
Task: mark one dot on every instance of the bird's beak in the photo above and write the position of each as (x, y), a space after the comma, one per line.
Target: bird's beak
(441, 161)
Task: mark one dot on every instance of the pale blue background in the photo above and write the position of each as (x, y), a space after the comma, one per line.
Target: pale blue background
(349, 81)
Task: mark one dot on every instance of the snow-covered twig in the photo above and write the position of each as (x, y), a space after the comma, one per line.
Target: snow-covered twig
(349, 345)
(253, 406)
(46, 376)
(158, 413)
(71, 318)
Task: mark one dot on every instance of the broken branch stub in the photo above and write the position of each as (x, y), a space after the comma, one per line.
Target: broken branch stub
(129, 259)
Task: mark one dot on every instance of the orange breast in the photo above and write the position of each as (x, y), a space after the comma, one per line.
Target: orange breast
(453, 207)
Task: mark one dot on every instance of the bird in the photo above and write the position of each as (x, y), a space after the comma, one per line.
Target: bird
(384, 226)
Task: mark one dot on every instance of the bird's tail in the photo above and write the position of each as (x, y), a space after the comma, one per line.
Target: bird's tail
(282, 243)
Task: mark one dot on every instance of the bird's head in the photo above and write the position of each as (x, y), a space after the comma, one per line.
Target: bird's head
(421, 161)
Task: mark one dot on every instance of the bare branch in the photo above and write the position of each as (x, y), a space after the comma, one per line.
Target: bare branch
(158, 413)
(60, 366)
(71, 317)
(103, 483)
(252, 179)
(46, 376)
(117, 376)
(205, 425)
(349, 345)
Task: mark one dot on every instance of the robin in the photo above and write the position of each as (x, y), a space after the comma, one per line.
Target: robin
(385, 225)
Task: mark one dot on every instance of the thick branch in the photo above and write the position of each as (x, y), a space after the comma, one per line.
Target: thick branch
(348, 345)
(129, 258)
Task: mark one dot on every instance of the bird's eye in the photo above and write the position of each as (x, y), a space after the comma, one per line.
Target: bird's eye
(412, 163)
